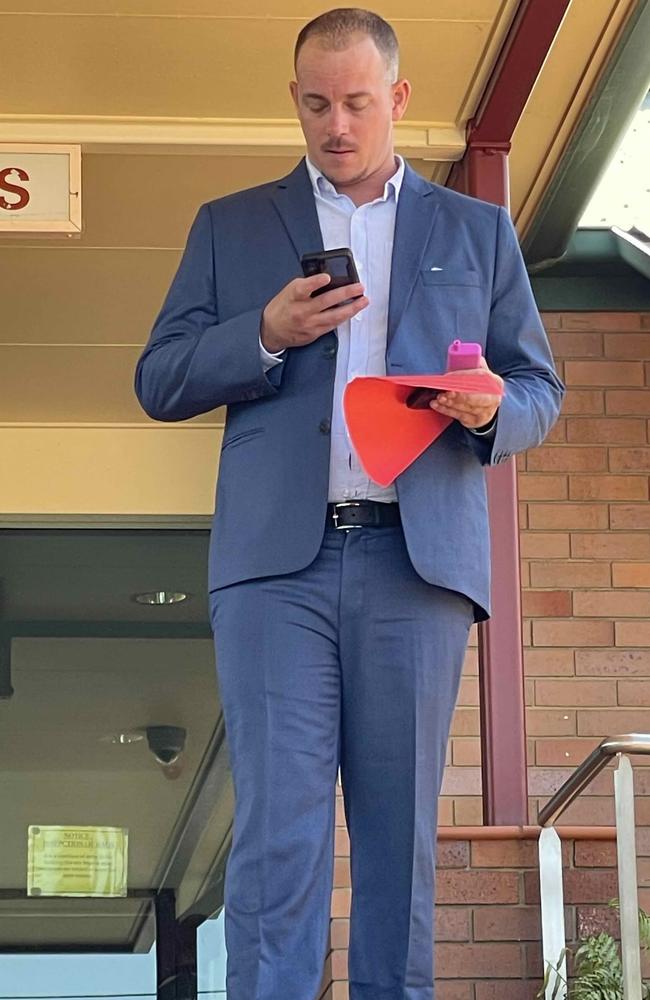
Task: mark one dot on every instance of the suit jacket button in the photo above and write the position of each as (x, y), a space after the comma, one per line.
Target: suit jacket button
(329, 351)
(325, 426)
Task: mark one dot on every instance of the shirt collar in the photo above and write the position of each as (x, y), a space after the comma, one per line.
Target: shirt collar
(323, 187)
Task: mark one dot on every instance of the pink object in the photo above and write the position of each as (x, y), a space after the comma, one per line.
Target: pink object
(387, 435)
(463, 355)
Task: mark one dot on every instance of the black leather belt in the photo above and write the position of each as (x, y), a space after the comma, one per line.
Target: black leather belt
(362, 514)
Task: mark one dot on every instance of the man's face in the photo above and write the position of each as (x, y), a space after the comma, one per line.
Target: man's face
(347, 105)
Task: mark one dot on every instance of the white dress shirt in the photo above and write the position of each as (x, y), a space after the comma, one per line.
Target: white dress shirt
(368, 231)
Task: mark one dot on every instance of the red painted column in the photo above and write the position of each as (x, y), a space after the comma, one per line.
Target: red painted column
(484, 174)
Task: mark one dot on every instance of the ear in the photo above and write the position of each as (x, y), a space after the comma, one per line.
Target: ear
(401, 96)
(293, 90)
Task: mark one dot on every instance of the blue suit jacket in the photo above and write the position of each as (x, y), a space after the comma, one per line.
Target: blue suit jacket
(274, 467)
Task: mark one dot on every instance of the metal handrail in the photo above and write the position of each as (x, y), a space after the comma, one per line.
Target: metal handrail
(550, 863)
(585, 773)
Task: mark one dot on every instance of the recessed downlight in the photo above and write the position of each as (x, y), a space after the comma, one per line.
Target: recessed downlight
(157, 598)
(124, 738)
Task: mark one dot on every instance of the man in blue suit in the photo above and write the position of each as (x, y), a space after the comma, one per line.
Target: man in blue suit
(341, 609)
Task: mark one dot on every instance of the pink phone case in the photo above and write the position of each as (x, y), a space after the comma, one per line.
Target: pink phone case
(463, 355)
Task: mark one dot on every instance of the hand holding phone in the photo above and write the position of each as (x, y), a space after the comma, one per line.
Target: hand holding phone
(461, 356)
(294, 318)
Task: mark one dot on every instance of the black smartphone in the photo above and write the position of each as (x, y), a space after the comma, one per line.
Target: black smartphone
(419, 399)
(339, 264)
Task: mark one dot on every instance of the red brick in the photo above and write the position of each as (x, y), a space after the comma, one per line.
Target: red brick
(584, 886)
(341, 841)
(558, 632)
(616, 430)
(470, 663)
(550, 722)
(611, 545)
(569, 574)
(452, 854)
(601, 373)
(601, 321)
(613, 662)
(446, 811)
(462, 781)
(629, 459)
(448, 990)
(633, 633)
(465, 722)
(624, 402)
(629, 345)
(544, 545)
(339, 933)
(466, 753)
(552, 320)
(504, 853)
(341, 902)
(468, 693)
(634, 693)
(545, 603)
(549, 662)
(556, 516)
(341, 873)
(593, 920)
(455, 886)
(505, 989)
(575, 693)
(589, 811)
(562, 458)
(608, 487)
(583, 402)
(611, 722)
(452, 924)
(595, 854)
(630, 515)
(468, 811)
(576, 345)
(470, 961)
(631, 574)
(544, 487)
(612, 604)
(507, 923)
(557, 434)
(552, 753)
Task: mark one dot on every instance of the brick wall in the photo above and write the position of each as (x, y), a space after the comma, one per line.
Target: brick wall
(487, 916)
(585, 539)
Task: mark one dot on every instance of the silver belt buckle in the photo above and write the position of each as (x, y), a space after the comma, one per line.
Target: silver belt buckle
(335, 515)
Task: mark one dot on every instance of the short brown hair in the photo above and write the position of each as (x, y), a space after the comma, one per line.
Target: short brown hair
(335, 27)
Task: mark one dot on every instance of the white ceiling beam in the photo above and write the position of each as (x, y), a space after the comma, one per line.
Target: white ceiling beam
(221, 136)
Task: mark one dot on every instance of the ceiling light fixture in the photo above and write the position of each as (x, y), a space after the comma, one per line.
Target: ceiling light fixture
(158, 598)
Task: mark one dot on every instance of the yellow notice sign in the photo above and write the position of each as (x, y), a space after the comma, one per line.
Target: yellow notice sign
(77, 861)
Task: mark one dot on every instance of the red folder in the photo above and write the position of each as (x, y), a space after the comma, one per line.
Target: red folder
(387, 435)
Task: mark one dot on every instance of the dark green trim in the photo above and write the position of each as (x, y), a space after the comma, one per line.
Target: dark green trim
(592, 276)
(614, 102)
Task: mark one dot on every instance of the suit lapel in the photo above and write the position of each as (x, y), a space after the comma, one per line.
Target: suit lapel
(294, 202)
(417, 208)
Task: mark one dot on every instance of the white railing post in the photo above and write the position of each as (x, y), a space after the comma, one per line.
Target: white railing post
(552, 906)
(627, 878)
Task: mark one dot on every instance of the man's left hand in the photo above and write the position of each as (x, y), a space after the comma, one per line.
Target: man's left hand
(470, 409)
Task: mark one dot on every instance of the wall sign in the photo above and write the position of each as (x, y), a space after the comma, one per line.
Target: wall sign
(77, 860)
(40, 188)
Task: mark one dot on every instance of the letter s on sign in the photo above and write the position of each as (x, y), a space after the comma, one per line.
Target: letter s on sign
(5, 185)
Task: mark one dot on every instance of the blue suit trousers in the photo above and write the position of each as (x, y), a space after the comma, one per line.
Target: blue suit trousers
(355, 662)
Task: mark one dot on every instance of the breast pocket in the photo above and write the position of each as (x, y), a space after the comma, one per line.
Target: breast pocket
(450, 276)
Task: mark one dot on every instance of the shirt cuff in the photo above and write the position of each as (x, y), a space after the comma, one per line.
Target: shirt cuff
(484, 431)
(270, 360)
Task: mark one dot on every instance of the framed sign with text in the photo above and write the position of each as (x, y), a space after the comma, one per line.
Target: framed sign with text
(40, 188)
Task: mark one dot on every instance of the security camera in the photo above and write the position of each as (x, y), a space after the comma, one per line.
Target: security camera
(166, 743)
